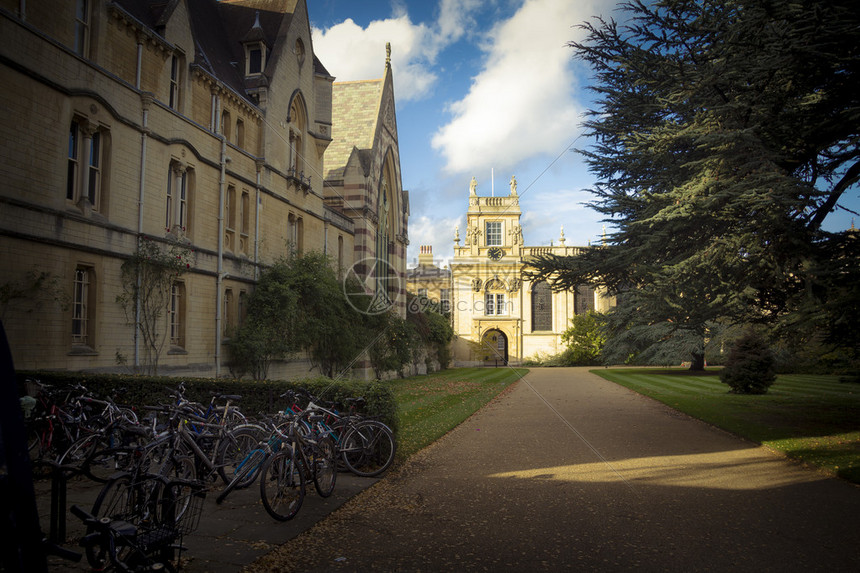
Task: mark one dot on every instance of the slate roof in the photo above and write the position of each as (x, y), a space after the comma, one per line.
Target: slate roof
(427, 272)
(219, 28)
(355, 112)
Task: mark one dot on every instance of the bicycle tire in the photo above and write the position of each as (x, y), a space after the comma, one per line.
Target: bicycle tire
(246, 473)
(233, 451)
(368, 448)
(97, 458)
(325, 466)
(115, 501)
(282, 485)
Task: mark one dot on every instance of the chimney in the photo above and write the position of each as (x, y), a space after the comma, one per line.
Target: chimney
(425, 257)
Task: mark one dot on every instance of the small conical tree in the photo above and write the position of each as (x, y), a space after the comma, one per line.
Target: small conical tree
(750, 366)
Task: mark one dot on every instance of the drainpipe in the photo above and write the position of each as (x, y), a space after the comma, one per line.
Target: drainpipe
(257, 213)
(139, 62)
(220, 271)
(146, 100)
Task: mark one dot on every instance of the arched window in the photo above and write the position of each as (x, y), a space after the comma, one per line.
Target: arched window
(179, 199)
(176, 315)
(541, 307)
(295, 232)
(297, 133)
(240, 133)
(225, 124)
(383, 239)
(495, 302)
(340, 256)
(86, 177)
(83, 307)
(82, 27)
(388, 221)
(583, 299)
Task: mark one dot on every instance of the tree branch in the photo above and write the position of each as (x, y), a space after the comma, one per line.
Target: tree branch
(851, 176)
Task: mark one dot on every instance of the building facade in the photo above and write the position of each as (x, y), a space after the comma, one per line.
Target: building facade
(498, 317)
(201, 124)
(430, 282)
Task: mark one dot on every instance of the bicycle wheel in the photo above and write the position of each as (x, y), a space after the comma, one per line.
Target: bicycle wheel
(282, 485)
(115, 501)
(324, 460)
(97, 457)
(233, 453)
(34, 444)
(368, 448)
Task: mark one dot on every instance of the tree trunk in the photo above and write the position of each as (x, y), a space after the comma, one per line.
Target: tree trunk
(697, 364)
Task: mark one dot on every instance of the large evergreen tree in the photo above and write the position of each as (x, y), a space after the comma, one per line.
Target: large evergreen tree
(723, 134)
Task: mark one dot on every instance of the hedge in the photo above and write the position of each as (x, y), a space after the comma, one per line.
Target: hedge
(257, 397)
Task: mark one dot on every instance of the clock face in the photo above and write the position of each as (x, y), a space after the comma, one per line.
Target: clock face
(495, 253)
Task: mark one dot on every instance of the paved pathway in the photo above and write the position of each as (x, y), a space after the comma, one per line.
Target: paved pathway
(568, 472)
(230, 535)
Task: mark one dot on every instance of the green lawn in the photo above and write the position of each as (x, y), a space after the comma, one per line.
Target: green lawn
(430, 406)
(811, 418)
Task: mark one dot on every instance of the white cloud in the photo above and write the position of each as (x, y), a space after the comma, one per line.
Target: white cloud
(524, 102)
(350, 52)
(436, 232)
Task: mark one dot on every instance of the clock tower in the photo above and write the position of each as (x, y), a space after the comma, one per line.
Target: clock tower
(488, 263)
(498, 317)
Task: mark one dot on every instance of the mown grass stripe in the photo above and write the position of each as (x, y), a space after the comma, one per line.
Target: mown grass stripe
(814, 419)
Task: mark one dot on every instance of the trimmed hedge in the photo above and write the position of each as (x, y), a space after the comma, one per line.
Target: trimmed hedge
(257, 397)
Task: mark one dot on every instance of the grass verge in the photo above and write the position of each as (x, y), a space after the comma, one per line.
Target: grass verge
(814, 419)
(430, 406)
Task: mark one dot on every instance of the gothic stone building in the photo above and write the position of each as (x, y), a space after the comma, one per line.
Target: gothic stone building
(498, 317)
(208, 124)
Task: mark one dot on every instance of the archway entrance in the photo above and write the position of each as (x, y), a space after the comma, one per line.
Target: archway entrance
(494, 343)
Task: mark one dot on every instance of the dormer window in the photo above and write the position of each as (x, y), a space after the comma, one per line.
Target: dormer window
(255, 58)
(255, 49)
(255, 61)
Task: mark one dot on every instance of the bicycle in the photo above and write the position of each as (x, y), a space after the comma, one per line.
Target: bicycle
(285, 473)
(366, 447)
(143, 523)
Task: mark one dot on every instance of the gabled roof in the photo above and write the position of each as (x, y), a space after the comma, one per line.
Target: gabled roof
(354, 117)
(219, 28)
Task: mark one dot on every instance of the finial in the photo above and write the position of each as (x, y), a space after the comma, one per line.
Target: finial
(387, 54)
(561, 239)
(457, 234)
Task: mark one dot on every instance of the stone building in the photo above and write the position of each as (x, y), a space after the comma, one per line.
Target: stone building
(195, 123)
(429, 281)
(362, 181)
(498, 317)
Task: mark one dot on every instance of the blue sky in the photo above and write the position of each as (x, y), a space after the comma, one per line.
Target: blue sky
(483, 88)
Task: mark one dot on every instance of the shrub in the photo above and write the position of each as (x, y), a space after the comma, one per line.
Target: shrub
(750, 366)
(261, 397)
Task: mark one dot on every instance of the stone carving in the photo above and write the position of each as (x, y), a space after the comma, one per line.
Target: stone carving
(516, 235)
(472, 235)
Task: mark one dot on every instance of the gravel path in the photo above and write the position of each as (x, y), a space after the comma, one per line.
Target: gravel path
(566, 471)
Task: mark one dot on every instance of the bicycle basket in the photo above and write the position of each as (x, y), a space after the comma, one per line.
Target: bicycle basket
(183, 506)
